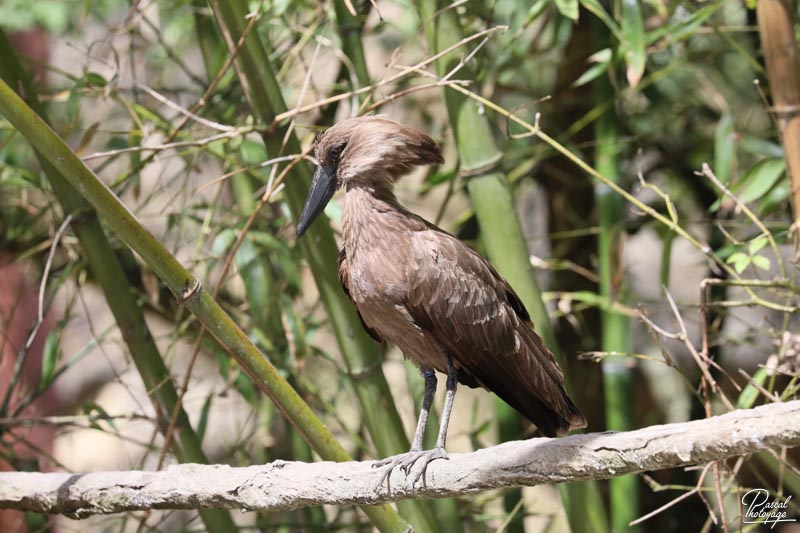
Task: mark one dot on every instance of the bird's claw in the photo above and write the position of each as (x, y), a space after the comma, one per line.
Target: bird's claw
(406, 461)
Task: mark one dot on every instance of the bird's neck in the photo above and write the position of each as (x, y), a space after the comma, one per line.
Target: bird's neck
(368, 210)
(374, 192)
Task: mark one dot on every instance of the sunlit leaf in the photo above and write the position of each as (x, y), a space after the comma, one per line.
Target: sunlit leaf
(756, 245)
(761, 178)
(761, 262)
(735, 257)
(740, 261)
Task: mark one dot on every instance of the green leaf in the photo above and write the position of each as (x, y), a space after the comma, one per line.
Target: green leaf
(202, 424)
(568, 8)
(633, 32)
(736, 256)
(760, 147)
(255, 273)
(253, 152)
(93, 79)
(437, 178)
(756, 245)
(778, 196)
(761, 178)
(724, 148)
(117, 142)
(534, 12)
(222, 242)
(49, 359)
(92, 409)
(742, 263)
(601, 61)
(761, 262)
(750, 393)
(685, 27)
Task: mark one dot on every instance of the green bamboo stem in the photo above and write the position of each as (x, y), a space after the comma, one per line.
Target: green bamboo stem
(208, 39)
(186, 288)
(500, 228)
(349, 27)
(360, 353)
(105, 265)
(616, 334)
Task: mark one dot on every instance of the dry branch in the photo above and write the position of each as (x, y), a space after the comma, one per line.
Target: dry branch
(287, 485)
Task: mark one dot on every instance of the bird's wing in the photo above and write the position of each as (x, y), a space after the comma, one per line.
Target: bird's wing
(458, 297)
(344, 279)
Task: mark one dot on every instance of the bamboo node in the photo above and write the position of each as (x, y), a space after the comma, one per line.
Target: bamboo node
(785, 111)
(190, 291)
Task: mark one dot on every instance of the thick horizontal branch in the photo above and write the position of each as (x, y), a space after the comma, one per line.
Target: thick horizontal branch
(288, 485)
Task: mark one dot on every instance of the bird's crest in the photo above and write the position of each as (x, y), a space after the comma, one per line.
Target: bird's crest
(374, 150)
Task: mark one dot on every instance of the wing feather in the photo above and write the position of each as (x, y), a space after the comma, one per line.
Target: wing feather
(470, 309)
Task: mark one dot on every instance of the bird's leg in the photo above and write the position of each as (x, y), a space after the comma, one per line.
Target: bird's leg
(407, 460)
(438, 452)
(427, 401)
(452, 384)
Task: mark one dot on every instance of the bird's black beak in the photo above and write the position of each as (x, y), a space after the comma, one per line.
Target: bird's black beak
(322, 188)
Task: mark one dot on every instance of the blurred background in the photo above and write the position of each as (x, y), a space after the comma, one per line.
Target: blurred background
(673, 302)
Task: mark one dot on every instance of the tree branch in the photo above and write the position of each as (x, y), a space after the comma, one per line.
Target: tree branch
(288, 485)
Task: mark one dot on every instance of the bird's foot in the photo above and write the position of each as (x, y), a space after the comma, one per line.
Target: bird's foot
(406, 461)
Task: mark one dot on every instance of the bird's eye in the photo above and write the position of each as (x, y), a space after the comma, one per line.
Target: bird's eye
(336, 153)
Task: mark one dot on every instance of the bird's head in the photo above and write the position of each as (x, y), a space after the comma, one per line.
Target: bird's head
(364, 151)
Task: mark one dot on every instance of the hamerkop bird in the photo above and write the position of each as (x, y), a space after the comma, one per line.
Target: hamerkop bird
(419, 287)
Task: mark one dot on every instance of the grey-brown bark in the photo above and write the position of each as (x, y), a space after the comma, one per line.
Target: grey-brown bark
(286, 485)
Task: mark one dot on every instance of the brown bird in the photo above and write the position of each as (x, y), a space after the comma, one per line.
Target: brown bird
(419, 287)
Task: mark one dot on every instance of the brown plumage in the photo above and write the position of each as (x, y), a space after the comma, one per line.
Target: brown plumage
(419, 287)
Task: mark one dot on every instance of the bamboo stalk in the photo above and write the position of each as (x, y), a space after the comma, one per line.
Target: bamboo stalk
(616, 334)
(105, 265)
(501, 231)
(183, 285)
(349, 27)
(776, 25)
